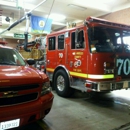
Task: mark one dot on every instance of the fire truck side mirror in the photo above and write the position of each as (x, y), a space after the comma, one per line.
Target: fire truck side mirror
(76, 35)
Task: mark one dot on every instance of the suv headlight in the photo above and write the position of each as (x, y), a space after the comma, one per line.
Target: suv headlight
(45, 88)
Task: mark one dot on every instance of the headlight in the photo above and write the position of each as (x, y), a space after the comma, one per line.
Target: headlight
(45, 88)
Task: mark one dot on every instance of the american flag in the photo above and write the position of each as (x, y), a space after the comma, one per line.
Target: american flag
(0, 17)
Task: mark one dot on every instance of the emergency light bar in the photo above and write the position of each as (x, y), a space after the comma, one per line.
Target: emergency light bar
(103, 21)
(3, 42)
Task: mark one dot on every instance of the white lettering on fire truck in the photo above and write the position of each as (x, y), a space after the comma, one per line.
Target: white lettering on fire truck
(124, 65)
(60, 55)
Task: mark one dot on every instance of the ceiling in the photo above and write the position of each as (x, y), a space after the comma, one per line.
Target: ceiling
(73, 14)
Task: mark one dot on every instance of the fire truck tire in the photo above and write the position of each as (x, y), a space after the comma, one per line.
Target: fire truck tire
(61, 84)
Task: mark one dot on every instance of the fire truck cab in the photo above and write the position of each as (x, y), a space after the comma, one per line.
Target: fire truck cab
(91, 57)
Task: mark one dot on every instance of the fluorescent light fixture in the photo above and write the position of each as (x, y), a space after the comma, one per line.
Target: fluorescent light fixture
(1, 30)
(57, 23)
(9, 34)
(11, 3)
(77, 7)
(23, 29)
(19, 4)
(57, 17)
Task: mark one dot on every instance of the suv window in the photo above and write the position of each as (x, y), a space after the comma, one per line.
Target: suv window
(10, 57)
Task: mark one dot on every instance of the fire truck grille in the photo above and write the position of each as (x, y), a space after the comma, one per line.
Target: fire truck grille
(18, 88)
(5, 101)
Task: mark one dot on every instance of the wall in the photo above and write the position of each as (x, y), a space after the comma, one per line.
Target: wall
(11, 42)
(122, 16)
(14, 42)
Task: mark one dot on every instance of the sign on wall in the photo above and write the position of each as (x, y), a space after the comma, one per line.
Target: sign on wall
(21, 36)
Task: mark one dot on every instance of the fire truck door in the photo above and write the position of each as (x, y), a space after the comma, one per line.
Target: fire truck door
(77, 55)
(61, 49)
(51, 54)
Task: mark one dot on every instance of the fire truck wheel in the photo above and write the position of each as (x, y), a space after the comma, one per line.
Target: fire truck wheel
(61, 84)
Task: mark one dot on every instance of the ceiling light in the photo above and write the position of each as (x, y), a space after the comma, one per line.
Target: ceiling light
(23, 29)
(9, 34)
(19, 4)
(77, 7)
(1, 30)
(57, 17)
(11, 3)
(58, 23)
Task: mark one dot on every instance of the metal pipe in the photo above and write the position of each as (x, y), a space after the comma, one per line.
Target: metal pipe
(26, 35)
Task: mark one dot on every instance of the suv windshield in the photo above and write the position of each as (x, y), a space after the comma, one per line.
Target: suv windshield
(10, 57)
(102, 39)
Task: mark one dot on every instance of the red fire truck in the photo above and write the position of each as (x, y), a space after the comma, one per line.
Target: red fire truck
(92, 57)
(25, 93)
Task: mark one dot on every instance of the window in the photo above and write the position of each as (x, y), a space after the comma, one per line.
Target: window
(103, 39)
(52, 41)
(61, 42)
(79, 43)
(10, 57)
(126, 40)
(73, 40)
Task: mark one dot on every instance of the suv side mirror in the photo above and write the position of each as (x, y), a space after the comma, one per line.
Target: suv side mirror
(30, 61)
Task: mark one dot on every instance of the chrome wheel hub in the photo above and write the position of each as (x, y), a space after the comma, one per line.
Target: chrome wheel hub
(60, 83)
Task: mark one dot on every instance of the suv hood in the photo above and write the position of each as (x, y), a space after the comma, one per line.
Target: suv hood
(21, 74)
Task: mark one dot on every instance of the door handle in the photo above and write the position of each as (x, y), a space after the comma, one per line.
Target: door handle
(48, 62)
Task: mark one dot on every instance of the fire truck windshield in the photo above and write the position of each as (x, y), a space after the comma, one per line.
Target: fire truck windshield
(102, 39)
(10, 57)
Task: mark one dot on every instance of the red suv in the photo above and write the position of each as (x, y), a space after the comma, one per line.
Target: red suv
(25, 93)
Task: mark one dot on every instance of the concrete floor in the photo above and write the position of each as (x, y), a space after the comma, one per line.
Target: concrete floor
(109, 111)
